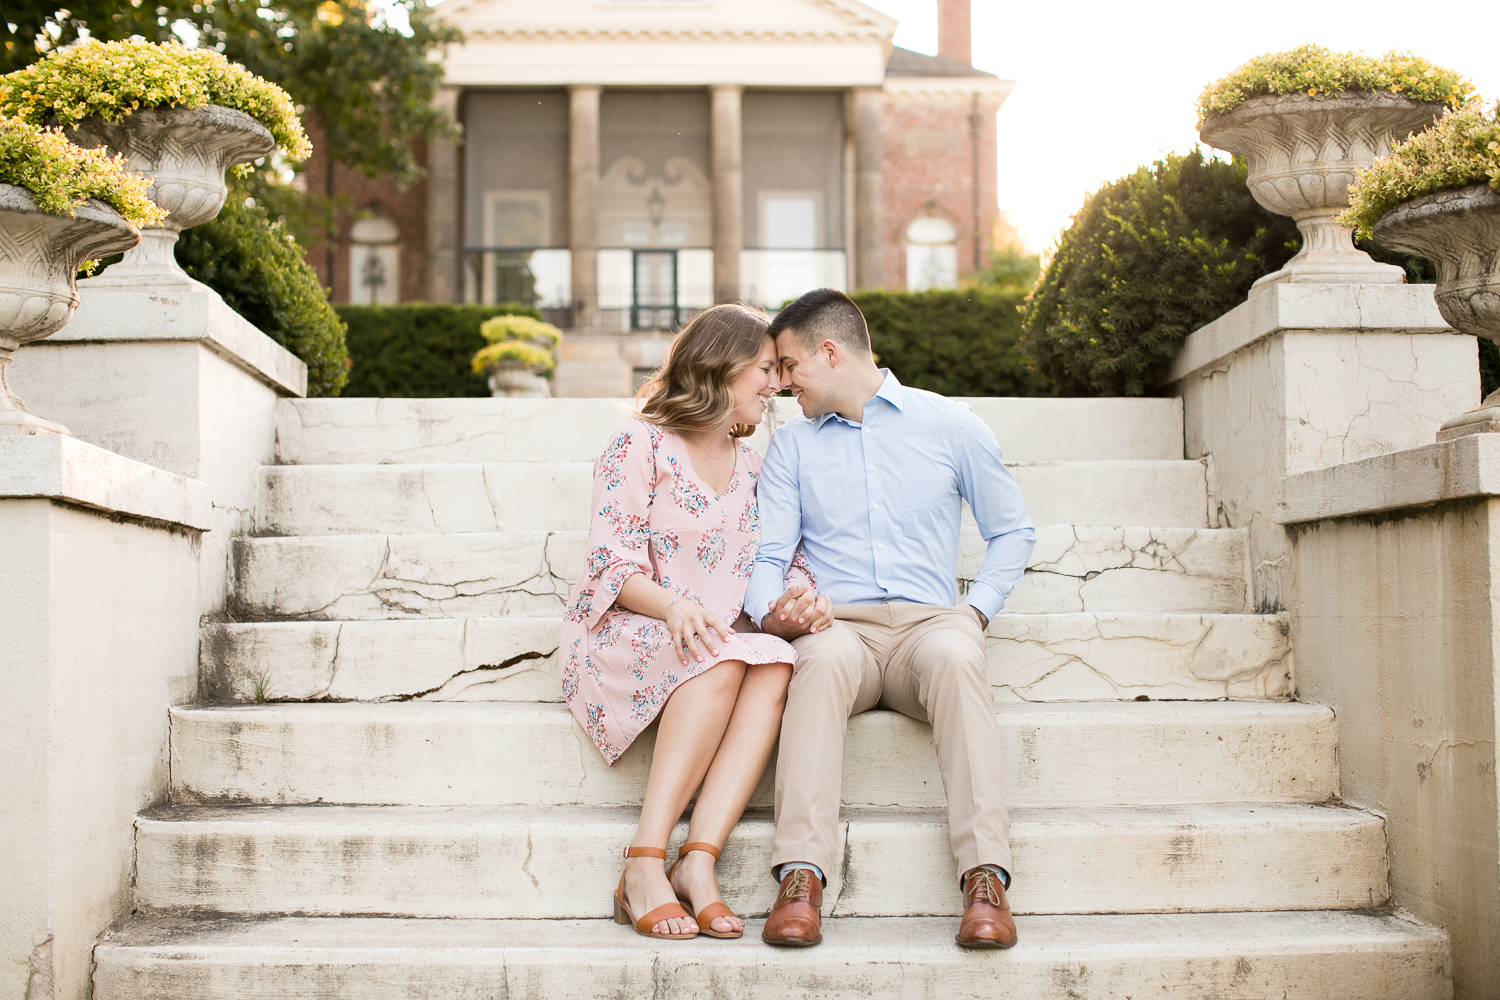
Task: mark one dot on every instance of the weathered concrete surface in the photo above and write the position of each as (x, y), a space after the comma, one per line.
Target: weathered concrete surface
(1062, 657)
(1302, 377)
(425, 431)
(100, 612)
(355, 577)
(1464, 469)
(1395, 627)
(554, 496)
(1133, 753)
(1232, 956)
(175, 379)
(561, 862)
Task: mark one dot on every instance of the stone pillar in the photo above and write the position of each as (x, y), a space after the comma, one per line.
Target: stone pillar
(729, 190)
(583, 202)
(444, 228)
(869, 192)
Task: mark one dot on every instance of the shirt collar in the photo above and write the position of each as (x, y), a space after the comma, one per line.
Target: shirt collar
(891, 390)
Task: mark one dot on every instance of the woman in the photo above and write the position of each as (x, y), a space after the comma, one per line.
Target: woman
(654, 625)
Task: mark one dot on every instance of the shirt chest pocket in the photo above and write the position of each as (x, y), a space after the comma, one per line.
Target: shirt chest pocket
(929, 507)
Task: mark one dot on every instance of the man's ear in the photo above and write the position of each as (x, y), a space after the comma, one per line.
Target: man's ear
(831, 350)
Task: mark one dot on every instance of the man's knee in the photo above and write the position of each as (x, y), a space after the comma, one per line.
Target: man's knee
(948, 657)
(833, 656)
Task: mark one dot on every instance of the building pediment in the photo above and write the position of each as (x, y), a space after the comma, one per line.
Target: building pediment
(778, 43)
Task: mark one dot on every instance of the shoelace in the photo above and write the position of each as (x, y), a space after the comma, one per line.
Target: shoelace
(800, 885)
(984, 884)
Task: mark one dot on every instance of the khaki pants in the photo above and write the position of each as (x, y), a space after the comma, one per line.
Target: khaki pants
(924, 661)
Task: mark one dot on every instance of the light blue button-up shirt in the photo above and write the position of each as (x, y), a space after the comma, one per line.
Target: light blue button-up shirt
(875, 505)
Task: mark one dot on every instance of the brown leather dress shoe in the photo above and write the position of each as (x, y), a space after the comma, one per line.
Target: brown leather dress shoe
(987, 922)
(796, 919)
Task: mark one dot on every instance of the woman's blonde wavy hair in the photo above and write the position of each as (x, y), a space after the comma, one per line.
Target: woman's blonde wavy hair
(691, 391)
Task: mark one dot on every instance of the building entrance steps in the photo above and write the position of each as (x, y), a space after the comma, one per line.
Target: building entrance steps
(413, 812)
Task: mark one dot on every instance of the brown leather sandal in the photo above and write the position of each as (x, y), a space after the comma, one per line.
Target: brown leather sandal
(643, 925)
(712, 911)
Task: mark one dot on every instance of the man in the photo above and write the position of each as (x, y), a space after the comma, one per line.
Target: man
(868, 482)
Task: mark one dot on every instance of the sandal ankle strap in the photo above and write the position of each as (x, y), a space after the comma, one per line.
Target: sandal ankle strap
(646, 852)
(697, 845)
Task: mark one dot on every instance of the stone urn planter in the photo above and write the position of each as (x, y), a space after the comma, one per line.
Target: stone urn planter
(186, 152)
(515, 380)
(40, 254)
(1459, 231)
(1303, 152)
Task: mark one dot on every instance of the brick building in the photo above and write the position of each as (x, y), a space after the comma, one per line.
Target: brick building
(625, 163)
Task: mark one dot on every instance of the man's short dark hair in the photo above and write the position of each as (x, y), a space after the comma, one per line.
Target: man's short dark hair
(824, 314)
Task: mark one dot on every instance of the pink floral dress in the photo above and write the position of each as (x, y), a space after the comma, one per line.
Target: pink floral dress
(652, 515)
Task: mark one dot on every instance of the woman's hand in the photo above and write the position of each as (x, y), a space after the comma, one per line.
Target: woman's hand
(691, 623)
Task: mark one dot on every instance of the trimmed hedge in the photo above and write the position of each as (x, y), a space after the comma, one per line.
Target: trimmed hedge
(419, 349)
(1149, 259)
(259, 270)
(963, 342)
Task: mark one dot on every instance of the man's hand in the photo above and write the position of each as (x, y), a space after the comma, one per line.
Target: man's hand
(799, 611)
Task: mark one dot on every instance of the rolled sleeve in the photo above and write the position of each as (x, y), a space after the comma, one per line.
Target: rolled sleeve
(780, 501)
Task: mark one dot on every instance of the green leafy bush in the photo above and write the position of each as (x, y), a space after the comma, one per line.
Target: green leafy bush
(1312, 69)
(1462, 148)
(61, 176)
(112, 79)
(260, 272)
(1148, 259)
(419, 349)
(963, 342)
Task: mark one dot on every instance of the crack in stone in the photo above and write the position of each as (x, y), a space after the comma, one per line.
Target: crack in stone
(482, 668)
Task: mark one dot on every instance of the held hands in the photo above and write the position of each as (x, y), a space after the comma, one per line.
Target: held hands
(799, 611)
(691, 623)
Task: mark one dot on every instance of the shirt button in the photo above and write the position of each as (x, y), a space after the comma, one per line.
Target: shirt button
(880, 545)
(877, 506)
(872, 468)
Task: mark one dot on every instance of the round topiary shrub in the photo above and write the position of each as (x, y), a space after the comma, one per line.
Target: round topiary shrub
(1149, 259)
(259, 270)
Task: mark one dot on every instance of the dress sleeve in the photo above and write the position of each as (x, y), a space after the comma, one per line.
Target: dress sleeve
(620, 526)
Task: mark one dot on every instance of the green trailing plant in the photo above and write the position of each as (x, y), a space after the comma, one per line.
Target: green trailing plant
(114, 79)
(1462, 148)
(259, 270)
(1315, 70)
(959, 342)
(419, 349)
(1148, 259)
(62, 176)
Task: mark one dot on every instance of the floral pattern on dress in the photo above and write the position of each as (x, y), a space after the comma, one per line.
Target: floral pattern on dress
(653, 516)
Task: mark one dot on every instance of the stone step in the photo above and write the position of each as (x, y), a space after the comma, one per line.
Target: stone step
(554, 496)
(1319, 955)
(403, 431)
(1150, 570)
(532, 862)
(1032, 657)
(1102, 753)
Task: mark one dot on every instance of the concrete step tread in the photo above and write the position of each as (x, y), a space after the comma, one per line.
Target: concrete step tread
(1232, 956)
(378, 576)
(1076, 656)
(542, 496)
(314, 431)
(562, 862)
(527, 752)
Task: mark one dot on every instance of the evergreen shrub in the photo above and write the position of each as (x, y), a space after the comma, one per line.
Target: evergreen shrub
(419, 349)
(962, 342)
(1148, 259)
(260, 272)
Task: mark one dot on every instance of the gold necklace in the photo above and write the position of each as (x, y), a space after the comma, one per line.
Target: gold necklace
(710, 454)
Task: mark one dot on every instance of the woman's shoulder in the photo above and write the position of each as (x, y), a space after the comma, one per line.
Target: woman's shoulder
(633, 429)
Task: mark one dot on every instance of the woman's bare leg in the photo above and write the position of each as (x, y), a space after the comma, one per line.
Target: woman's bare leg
(736, 769)
(689, 731)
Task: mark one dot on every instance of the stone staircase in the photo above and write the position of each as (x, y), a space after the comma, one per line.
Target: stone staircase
(380, 793)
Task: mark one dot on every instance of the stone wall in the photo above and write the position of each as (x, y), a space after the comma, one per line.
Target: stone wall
(1394, 626)
(99, 585)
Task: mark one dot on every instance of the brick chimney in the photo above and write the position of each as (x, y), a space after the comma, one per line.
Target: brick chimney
(953, 30)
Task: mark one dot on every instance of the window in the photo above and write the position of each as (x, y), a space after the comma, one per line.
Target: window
(375, 262)
(931, 253)
(789, 221)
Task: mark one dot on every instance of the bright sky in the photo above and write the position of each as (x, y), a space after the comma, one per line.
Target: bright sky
(1102, 87)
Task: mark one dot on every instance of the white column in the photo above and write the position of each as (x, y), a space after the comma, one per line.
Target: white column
(444, 253)
(869, 192)
(729, 190)
(583, 202)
